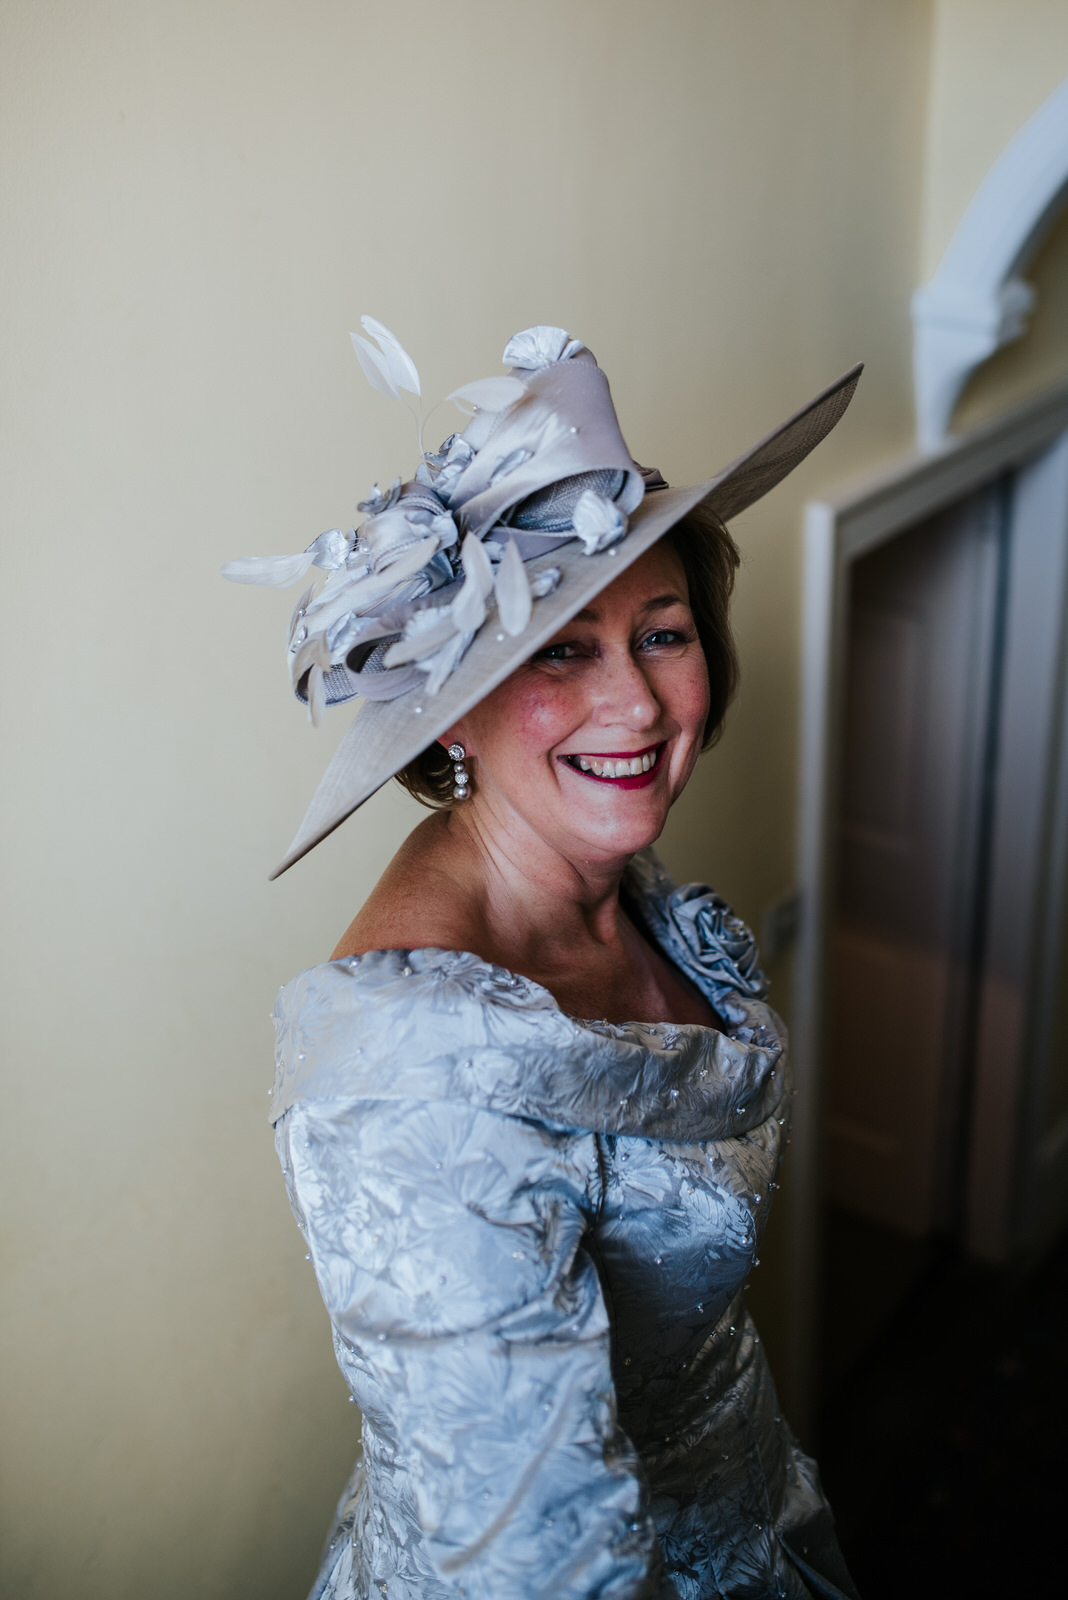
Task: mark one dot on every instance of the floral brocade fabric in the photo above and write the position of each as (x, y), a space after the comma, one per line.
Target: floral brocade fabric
(531, 1234)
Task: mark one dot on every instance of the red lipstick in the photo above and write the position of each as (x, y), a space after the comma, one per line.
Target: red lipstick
(640, 780)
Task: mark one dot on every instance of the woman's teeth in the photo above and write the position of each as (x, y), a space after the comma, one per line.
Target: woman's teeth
(624, 768)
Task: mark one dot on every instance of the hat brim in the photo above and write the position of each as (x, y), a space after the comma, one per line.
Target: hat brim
(386, 734)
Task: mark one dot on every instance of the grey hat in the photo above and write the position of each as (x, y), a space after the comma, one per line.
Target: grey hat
(457, 577)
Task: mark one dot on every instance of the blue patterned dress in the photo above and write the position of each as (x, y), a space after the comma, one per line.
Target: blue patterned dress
(531, 1234)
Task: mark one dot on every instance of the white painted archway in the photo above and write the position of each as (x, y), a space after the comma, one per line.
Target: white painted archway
(977, 301)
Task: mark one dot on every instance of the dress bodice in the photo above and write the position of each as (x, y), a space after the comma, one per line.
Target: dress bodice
(532, 1234)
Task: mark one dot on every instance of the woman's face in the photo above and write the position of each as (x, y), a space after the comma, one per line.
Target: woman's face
(591, 741)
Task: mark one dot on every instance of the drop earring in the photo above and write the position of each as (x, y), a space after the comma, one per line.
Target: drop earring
(461, 779)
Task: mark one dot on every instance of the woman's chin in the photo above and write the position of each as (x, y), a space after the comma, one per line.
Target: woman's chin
(619, 827)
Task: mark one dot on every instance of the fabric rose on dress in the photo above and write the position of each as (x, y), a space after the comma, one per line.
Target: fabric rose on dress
(720, 942)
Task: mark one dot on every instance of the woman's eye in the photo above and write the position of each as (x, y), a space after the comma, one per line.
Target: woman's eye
(555, 652)
(663, 637)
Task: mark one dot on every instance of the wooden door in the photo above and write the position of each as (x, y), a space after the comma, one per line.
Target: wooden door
(1017, 1179)
(919, 720)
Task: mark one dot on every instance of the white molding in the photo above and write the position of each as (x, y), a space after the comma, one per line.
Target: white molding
(976, 302)
(819, 650)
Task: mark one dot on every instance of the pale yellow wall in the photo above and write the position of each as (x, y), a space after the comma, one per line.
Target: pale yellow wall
(993, 63)
(725, 199)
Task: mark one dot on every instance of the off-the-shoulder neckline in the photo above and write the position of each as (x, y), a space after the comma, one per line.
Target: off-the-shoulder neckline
(513, 979)
(647, 890)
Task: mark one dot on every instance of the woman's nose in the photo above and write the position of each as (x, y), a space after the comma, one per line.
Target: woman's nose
(624, 695)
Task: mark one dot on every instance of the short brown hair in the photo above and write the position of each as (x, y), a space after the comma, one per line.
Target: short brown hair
(709, 558)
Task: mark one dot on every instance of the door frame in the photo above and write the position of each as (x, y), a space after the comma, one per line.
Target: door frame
(837, 532)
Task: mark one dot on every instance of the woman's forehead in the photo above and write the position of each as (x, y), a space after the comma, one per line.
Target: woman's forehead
(657, 579)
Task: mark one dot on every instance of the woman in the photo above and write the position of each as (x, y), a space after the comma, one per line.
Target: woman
(531, 1113)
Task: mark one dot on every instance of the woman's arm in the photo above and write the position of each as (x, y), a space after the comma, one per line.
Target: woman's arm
(448, 1246)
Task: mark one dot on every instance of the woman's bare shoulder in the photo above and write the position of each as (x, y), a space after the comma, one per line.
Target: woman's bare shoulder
(419, 902)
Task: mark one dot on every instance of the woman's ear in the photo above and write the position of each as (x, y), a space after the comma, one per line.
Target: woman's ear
(457, 734)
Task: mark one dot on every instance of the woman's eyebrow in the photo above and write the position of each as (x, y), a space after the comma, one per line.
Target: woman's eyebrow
(670, 599)
(661, 600)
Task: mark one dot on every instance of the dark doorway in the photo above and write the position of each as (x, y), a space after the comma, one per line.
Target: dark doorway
(943, 1306)
(923, 681)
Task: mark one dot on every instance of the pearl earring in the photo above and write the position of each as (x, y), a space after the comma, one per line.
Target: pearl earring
(461, 780)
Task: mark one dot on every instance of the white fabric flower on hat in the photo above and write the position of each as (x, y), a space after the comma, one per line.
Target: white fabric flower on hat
(545, 582)
(598, 522)
(377, 501)
(435, 638)
(440, 470)
(332, 549)
(387, 534)
(539, 347)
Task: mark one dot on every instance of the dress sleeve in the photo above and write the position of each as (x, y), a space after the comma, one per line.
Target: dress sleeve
(471, 1325)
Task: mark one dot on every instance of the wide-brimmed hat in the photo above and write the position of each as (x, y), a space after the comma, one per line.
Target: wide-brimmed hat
(456, 577)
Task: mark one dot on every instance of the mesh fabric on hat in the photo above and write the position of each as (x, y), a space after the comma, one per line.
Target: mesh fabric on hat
(785, 449)
(550, 510)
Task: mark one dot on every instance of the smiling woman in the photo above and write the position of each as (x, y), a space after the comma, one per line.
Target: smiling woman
(531, 1113)
(709, 560)
(576, 759)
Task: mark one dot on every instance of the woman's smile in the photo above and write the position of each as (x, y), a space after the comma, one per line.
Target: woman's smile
(625, 770)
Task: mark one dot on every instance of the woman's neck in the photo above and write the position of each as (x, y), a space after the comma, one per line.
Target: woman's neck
(504, 888)
(528, 893)
(460, 883)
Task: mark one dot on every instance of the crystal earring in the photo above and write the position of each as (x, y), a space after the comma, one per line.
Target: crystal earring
(461, 780)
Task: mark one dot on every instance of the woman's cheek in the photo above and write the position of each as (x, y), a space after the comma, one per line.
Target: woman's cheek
(541, 716)
(522, 720)
(692, 702)
(688, 697)
(702, 696)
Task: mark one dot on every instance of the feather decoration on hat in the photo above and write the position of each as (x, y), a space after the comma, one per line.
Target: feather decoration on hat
(373, 627)
(488, 394)
(513, 591)
(401, 366)
(276, 571)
